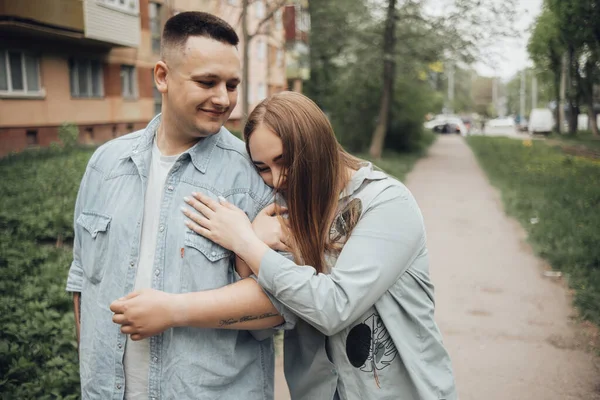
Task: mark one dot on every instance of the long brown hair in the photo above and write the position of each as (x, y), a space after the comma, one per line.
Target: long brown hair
(314, 165)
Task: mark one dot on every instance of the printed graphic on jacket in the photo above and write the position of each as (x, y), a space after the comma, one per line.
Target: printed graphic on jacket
(369, 346)
(344, 223)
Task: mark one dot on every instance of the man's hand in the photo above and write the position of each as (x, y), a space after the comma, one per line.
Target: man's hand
(267, 226)
(145, 313)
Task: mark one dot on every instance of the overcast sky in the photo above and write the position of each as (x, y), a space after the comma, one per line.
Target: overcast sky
(511, 54)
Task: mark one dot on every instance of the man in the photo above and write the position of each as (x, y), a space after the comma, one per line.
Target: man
(130, 232)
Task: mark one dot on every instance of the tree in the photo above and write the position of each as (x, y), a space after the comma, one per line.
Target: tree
(579, 32)
(247, 36)
(389, 44)
(546, 50)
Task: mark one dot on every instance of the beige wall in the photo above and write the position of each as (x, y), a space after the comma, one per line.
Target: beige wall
(58, 106)
(65, 13)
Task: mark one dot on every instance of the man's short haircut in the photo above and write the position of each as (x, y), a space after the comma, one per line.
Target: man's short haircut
(194, 23)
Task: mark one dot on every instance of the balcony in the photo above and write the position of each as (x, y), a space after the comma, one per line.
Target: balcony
(107, 23)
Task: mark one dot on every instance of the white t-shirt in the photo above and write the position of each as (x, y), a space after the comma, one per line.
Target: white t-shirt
(137, 353)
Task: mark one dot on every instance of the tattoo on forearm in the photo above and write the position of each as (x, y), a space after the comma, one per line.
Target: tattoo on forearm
(245, 318)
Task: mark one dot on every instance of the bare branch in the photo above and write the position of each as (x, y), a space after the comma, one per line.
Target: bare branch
(274, 8)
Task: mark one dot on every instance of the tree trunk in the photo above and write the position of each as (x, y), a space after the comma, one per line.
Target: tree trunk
(562, 97)
(245, 64)
(389, 44)
(558, 93)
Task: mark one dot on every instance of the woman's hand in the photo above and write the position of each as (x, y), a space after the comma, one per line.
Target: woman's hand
(145, 313)
(268, 228)
(221, 222)
(226, 225)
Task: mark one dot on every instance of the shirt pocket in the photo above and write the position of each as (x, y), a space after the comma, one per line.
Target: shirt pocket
(94, 243)
(206, 264)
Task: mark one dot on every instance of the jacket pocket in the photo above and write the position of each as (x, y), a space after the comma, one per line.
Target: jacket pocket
(212, 251)
(206, 265)
(94, 243)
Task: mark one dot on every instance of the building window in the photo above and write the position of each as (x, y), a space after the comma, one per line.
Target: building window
(89, 133)
(86, 78)
(19, 73)
(259, 9)
(128, 6)
(128, 86)
(278, 19)
(261, 93)
(155, 26)
(261, 49)
(32, 138)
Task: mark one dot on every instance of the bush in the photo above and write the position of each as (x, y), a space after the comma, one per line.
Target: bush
(68, 134)
(556, 197)
(38, 350)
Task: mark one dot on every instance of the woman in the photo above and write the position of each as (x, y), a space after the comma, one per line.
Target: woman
(360, 276)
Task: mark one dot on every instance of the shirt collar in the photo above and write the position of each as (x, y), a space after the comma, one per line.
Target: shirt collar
(200, 153)
(366, 172)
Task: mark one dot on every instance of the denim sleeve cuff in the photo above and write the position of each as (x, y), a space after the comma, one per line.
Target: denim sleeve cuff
(75, 278)
(289, 317)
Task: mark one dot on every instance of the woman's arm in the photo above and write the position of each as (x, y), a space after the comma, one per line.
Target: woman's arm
(385, 242)
(242, 305)
(242, 268)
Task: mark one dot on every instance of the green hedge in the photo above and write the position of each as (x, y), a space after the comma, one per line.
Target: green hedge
(38, 349)
(556, 197)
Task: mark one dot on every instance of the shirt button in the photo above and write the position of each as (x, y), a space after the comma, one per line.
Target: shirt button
(162, 228)
(170, 188)
(214, 253)
(134, 151)
(120, 346)
(156, 272)
(119, 386)
(131, 264)
(155, 359)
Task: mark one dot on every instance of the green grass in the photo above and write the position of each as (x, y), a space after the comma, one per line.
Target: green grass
(583, 139)
(397, 165)
(561, 195)
(400, 164)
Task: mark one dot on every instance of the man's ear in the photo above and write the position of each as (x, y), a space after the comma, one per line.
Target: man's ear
(160, 76)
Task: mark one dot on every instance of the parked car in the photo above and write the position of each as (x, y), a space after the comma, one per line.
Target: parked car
(447, 125)
(505, 122)
(541, 120)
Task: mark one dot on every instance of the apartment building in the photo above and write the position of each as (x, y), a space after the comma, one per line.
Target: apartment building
(90, 62)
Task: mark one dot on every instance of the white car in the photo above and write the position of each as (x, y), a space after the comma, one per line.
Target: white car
(541, 120)
(501, 123)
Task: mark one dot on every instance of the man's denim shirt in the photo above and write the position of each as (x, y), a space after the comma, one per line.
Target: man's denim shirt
(185, 363)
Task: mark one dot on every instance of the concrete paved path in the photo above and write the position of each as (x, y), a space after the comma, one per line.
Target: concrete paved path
(508, 328)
